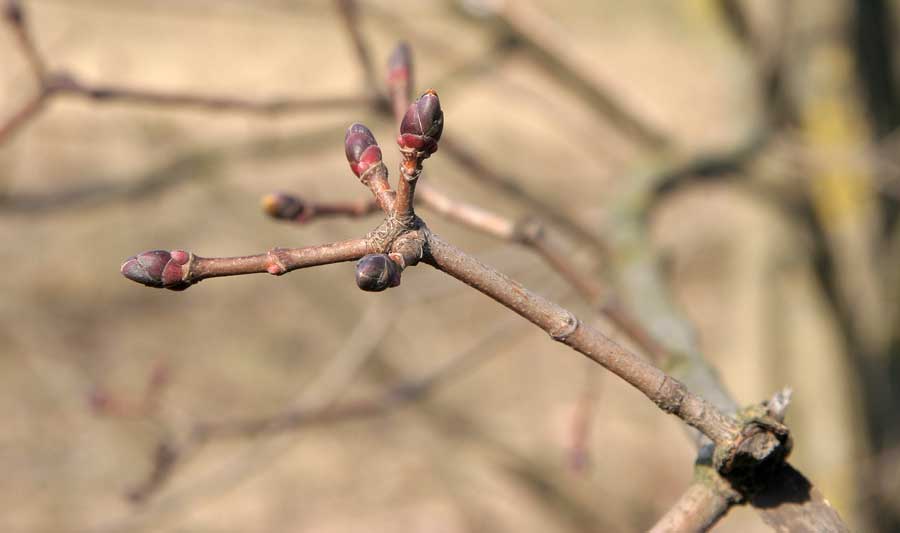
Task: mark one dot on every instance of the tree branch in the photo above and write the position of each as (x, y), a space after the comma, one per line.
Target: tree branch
(178, 270)
(668, 394)
(705, 501)
(536, 33)
(65, 84)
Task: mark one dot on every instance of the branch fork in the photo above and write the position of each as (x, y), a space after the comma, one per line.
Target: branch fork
(400, 241)
(403, 240)
(745, 449)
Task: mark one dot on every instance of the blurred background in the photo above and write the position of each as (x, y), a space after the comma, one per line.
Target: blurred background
(745, 151)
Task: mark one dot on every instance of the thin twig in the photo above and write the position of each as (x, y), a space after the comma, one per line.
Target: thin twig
(538, 35)
(65, 84)
(349, 14)
(321, 393)
(292, 208)
(403, 392)
(62, 83)
(29, 110)
(178, 269)
(14, 15)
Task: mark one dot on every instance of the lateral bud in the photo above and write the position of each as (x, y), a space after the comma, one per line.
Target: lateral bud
(400, 70)
(285, 206)
(159, 269)
(377, 272)
(361, 149)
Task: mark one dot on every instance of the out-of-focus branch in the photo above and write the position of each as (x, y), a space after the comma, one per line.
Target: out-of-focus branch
(195, 164)
(329, 385)
(398, 394)
(349, 11)
(14, 15)
(550, 487)
(537, 35)
(766, 55)
(292, 208)
(65, 84)
(61, 83)
(785, 498)
(29, 110)
(736, 18)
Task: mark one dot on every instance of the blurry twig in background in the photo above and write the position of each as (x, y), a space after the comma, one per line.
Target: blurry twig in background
(536, 33)
(312, 405)
(108, 403)
(61, 83)
(197, 164)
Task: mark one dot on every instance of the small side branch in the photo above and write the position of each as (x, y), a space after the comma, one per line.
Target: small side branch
(178, 270)
(292, 208)
(23, 116)
(349, 12)
(537, 35)
(14, 15)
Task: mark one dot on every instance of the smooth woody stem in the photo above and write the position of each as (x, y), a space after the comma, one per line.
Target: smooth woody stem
(376, 179)
(406, 188)
(178, 270)
(531, 233)
(669, 394)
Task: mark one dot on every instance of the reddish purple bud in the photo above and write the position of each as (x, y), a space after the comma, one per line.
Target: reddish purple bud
(283, 206)
(361, 148)
(422, 125)
(400, 66)
(158, 269)
(376, 272)
(12, 11)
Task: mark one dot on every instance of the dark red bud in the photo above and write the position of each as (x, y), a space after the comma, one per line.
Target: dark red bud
(158, 269)
(400, 65)
(283, 206)
(361, 148)
(12, 11)
(422, 125)
(376, 272)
